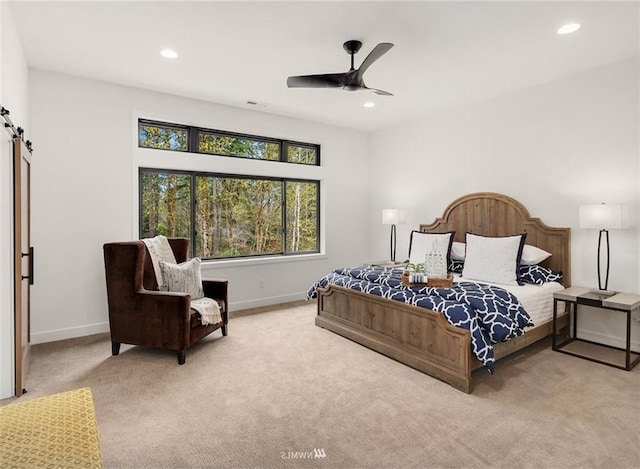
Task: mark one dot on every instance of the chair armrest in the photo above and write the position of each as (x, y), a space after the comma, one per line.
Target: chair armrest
(157, 319)
(164, 302)
(216, 288)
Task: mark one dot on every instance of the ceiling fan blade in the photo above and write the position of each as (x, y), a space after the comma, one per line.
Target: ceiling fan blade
(377, 52)
(380, 92)
(329, 80)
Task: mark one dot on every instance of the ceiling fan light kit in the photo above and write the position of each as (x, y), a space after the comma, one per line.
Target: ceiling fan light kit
(351, 80)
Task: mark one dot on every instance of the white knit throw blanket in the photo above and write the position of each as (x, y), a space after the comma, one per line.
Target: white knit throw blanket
(160, 250)
(209, 310)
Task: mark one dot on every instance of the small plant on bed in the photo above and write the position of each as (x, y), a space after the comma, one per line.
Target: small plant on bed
(414, 268)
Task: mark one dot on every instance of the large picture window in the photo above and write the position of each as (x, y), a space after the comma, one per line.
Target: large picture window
(227, 216)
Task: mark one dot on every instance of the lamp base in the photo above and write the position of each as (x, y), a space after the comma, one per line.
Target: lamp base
(604, 293)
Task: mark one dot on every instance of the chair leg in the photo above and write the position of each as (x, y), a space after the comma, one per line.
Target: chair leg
(224, 330)
(181, 356)
(115, 348)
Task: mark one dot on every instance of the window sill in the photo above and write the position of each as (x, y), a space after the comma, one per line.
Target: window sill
(263, 260)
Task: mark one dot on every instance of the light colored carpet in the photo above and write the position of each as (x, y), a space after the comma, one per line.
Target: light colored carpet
(279, 392)
(57, 431)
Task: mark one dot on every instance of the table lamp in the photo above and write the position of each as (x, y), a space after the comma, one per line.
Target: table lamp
(393, 217)
(603, 217)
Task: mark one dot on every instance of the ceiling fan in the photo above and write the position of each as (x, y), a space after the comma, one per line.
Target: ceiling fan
(351, 80)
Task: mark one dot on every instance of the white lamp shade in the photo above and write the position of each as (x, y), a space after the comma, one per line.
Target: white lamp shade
(393, 216)
(601, 217)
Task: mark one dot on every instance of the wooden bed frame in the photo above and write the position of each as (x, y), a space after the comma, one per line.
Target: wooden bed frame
(422, 338)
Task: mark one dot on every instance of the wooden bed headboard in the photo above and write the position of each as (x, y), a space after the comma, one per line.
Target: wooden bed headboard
(492, 214)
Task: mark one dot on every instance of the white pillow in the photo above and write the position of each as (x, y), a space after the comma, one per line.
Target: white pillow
(458, 251)
(493, 259)
(421, 243)
(532, 255)
(183, 278)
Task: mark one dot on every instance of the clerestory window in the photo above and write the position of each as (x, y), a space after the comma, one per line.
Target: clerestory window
(176, 137)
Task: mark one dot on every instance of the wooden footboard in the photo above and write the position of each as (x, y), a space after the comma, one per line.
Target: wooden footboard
(418, 337)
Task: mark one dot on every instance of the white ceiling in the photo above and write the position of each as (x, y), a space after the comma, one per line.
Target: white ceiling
(446, 54)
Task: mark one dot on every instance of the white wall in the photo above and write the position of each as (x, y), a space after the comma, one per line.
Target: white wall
(85, 194)
(13, 96)
(553, 147)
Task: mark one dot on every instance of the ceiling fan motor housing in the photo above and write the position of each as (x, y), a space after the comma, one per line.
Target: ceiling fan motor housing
(352, 47)
(353, 87)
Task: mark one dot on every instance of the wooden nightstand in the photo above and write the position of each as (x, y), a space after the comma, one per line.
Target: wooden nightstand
(569, 343)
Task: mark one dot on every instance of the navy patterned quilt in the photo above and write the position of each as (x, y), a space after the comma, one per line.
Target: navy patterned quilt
(490, 313)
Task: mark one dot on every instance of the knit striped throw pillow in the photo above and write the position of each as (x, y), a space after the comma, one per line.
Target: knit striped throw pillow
(183, 278)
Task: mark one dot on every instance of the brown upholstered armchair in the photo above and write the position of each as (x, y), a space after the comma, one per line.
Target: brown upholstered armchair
(139, 314)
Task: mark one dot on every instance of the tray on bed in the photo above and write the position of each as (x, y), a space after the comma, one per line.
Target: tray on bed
(433, 282)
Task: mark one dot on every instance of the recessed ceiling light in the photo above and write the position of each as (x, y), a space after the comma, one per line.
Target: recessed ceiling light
(169, 53)
(369, 104)
(569, 28)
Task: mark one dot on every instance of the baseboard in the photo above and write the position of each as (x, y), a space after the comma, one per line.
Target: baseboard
(608, 340)
(262, 302)
(266, 309)
(69, 333)
(237, 308)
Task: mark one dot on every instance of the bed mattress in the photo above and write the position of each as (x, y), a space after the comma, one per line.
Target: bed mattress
(537, 300)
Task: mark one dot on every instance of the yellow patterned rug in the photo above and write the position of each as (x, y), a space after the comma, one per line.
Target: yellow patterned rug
(57, 431)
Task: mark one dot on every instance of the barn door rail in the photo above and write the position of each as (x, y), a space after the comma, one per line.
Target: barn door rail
(17, 132)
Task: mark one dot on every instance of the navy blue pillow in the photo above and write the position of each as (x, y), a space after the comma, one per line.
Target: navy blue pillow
(455, 266)
(538, 275)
